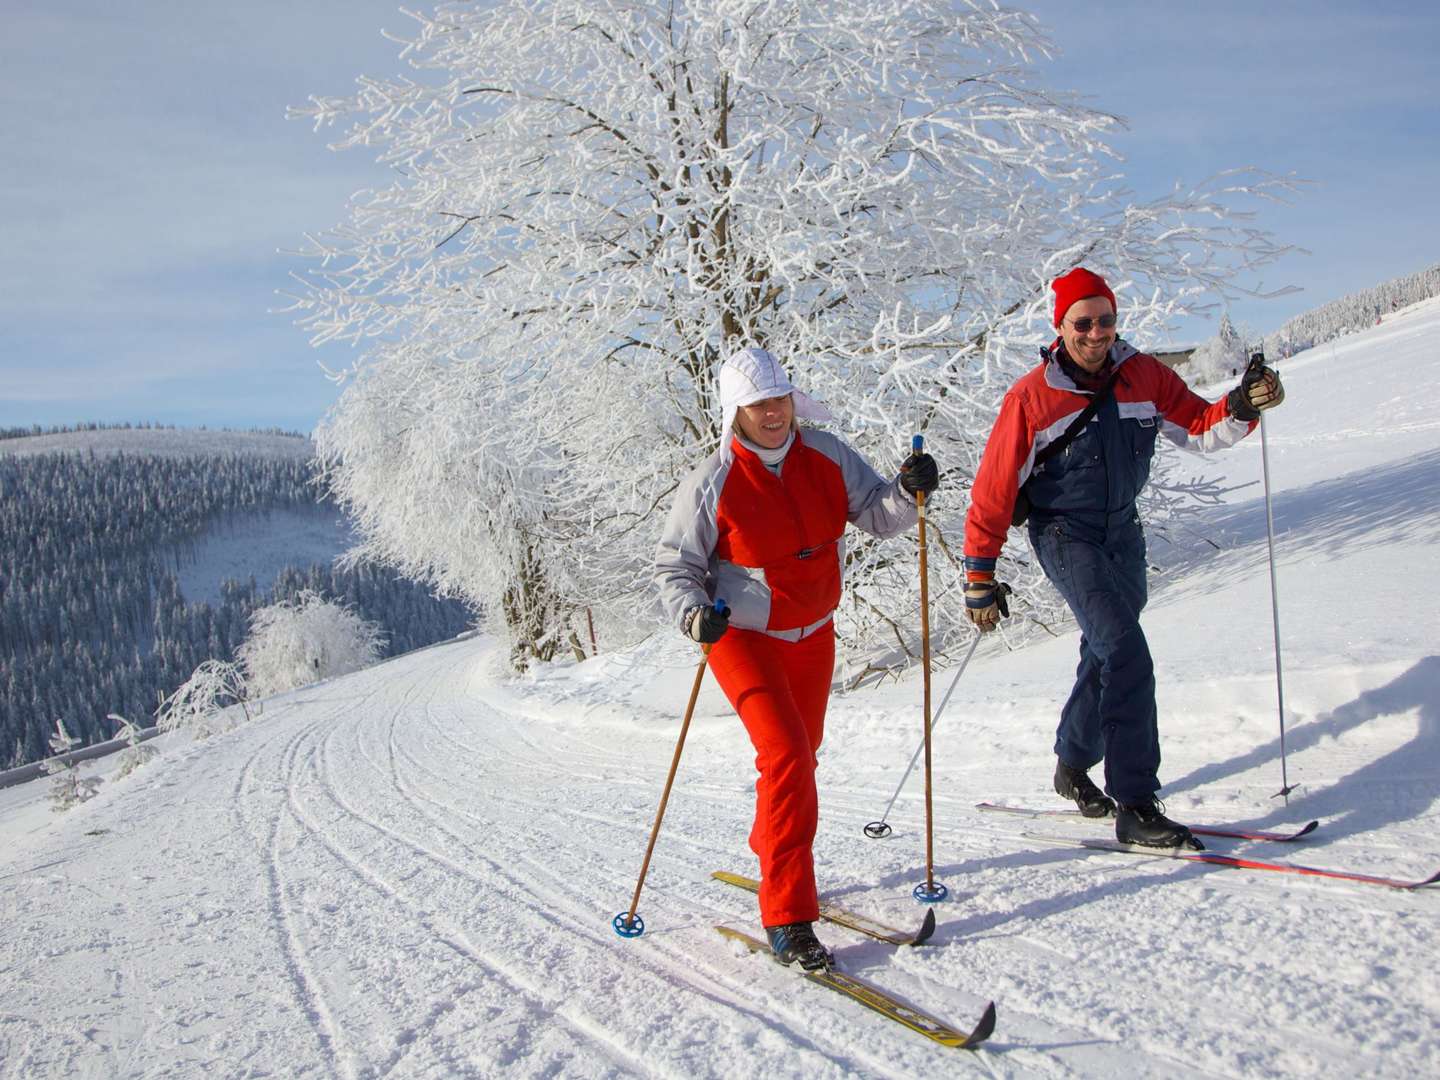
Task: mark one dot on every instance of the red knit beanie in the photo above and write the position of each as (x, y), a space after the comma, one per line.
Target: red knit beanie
(1079, 284)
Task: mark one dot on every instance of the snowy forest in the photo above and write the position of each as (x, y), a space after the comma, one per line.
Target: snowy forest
(92, 619)
(1351, 313)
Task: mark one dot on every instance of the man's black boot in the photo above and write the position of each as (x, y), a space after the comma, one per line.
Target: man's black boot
(1146, 824)
(797, 941)
(1076, 784)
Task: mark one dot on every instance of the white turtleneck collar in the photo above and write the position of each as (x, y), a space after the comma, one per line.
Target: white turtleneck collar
(771, 459)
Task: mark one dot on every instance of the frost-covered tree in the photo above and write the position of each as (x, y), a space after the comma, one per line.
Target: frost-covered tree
(594, 201)
(68, 788)
(136, 753)
(201, 703)
(298, 642)
(1221, 357)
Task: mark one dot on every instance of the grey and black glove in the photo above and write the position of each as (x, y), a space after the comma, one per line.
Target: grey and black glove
(919, 475)
(1259, 390)
(708, 623)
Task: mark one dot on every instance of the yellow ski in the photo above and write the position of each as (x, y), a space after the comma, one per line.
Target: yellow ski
(841, 917)
(872, 997)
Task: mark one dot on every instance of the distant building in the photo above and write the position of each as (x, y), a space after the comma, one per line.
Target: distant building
(1174, 358)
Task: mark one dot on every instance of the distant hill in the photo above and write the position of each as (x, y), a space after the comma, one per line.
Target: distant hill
(162, 442)
(132, 555)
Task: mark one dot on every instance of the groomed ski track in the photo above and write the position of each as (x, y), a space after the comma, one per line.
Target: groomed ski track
(407, 873)
(411, 871)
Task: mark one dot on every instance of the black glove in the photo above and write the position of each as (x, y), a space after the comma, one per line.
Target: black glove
(708, 623)
(1259, 390)
(985, 604)
(919, 475)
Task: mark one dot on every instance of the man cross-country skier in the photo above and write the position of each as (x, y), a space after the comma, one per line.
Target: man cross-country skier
(1086, 532)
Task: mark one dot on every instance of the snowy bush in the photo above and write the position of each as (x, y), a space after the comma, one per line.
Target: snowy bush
(68, 788)
(302, 641)
(136, 753)
(200, 704)
(594, 202)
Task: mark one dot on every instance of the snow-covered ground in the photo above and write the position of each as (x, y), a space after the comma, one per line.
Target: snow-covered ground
(412, 871)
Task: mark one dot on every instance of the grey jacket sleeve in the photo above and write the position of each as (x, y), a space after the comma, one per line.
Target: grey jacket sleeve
(880, 507)
(685, 563)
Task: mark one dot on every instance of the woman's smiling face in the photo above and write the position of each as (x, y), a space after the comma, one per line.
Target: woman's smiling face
(767, 423)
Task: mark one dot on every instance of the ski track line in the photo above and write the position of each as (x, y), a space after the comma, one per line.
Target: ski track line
(621, 886)
(675, 970)
(307, 989)
(454, 938)
(530, 900)
(529, 989)
(678, 968)
(626, 822)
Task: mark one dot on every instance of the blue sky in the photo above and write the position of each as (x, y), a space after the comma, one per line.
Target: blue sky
(151, 182)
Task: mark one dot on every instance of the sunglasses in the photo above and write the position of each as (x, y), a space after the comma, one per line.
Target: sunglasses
(1082, 326)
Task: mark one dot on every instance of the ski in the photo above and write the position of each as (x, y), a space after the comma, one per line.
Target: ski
(1238, 863)
(854, 920)
(872, 997)
(1198, 830)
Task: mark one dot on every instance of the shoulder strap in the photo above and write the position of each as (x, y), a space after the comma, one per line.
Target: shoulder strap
(1078, 424)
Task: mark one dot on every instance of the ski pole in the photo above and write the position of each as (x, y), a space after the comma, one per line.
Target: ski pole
(1257, 361)
(878, 830)
(931, 891)
(629, 924)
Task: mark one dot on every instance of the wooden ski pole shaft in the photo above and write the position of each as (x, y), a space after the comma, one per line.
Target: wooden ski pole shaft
(626, 923)
(930, 891)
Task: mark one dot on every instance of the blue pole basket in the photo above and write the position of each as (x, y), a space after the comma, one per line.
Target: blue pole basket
(626, 927)
(931, 893)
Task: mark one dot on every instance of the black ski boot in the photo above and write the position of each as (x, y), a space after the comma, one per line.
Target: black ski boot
(797, 941)
(1145, 824)
(1076, 784)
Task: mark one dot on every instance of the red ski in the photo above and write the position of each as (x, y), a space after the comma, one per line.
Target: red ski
(1198, 830)
(1238, 863)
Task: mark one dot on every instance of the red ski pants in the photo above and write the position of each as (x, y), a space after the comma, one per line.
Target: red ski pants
(780, 690)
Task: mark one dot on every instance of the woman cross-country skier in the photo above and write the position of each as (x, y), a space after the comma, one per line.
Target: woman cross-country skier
(760, 524)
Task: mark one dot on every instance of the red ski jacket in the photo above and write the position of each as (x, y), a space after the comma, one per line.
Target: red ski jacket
(1102, 471)
(773, 546)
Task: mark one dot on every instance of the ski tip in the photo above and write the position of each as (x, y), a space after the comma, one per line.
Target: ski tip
(927, 928)
(1308, 829)
(983, 1030)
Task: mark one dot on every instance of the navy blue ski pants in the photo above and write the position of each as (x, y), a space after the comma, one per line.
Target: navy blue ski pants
(1098, 566)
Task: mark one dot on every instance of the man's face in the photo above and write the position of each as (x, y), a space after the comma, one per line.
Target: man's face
(1088, 348)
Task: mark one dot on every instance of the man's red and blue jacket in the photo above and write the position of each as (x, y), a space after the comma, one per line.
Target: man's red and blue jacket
(1102, 471)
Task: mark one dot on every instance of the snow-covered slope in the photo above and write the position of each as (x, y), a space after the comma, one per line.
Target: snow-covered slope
(412, 871)
(164, 442)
